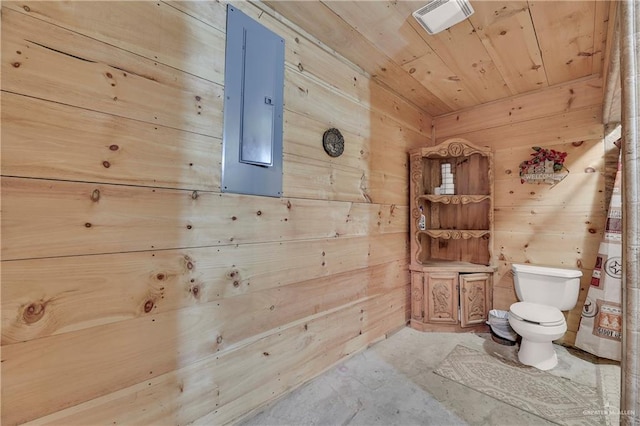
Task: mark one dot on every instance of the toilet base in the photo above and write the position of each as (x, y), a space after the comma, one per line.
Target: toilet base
(540, 355)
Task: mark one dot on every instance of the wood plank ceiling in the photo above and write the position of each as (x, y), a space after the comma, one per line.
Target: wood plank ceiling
(505, 48)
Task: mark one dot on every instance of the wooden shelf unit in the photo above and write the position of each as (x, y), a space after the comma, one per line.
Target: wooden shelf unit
(451, 258)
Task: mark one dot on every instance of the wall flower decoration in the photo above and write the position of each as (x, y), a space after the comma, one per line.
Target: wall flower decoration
(544, 166)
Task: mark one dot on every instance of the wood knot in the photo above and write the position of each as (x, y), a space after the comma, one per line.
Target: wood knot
(16, 64)
(161, 276)
(148, 306)
(289, 204)
(195, 290)
(236, 283)
(95, 195)
(592, 231)
(577, 143)
(507, 172)
(265, 353)
(259, 213)
(219, 339)
(114, 147)
(106, 164)
(33, 312)
(198, 98)
(194, 195)
(109, 75)
(87, 225)
(589, 170)
(26, 8)
(189, 265)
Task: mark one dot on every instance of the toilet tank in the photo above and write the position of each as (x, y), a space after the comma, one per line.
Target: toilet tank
(551, 286)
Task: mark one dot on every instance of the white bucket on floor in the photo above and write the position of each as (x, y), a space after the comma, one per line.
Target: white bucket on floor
(499, 323)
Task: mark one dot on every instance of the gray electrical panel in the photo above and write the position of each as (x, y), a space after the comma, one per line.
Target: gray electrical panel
(253, 91)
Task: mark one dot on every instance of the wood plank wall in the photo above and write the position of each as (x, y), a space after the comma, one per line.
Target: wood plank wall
(133, 291)
(559, 226)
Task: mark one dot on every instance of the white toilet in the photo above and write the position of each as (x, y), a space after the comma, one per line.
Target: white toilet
(544, 292)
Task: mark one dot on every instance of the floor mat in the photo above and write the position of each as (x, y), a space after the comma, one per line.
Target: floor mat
(551, 397)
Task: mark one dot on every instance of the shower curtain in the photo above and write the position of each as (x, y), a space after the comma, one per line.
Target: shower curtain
(600, 330)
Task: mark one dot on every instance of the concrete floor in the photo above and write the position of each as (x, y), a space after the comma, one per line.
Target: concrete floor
(392, 383)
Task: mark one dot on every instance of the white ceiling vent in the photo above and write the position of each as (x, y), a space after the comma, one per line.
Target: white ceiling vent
(439, 15)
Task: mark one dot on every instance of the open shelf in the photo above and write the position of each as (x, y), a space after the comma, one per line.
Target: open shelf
(453, 245)
(457, 227)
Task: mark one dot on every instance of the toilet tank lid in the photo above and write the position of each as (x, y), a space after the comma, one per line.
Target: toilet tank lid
(547, 270)
(535, 312)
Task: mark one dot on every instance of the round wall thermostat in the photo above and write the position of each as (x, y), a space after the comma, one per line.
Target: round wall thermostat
(333, 142)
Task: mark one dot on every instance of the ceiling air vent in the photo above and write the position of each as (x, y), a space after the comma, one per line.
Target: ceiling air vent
(439, 15)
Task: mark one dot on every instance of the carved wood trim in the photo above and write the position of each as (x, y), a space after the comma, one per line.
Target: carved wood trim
(454, 147)
(417, 296)
(416, 173)
(419, 244)
(455, 234)
(455, 199)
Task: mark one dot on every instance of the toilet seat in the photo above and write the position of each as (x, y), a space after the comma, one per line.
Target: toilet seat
(543, 315)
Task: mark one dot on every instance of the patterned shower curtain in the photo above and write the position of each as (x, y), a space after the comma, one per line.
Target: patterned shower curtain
(600, 330)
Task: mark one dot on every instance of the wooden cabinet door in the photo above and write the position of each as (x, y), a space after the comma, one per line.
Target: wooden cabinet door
(441, 297)
(475, 298)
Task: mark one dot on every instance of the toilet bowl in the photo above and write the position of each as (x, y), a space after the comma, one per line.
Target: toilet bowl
(538, 318)
(538, 325)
